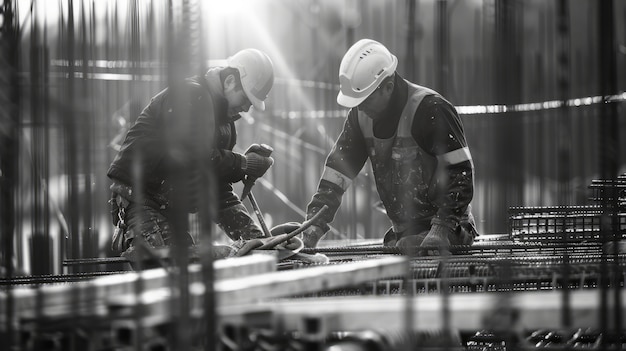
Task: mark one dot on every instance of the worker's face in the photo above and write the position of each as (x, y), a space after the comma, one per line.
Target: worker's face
(236, 97)
(377, 102)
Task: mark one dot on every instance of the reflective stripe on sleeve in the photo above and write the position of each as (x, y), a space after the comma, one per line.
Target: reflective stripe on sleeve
(337, 178)
(455, 157)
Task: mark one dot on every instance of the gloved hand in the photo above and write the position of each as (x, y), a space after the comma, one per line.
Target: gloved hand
(312, 235)
(256, 165)
(437, 242)
(412, 239)
(408, 238)
(263, 150)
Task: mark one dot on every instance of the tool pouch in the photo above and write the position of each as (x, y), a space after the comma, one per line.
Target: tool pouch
(118, 210)
(118, 239)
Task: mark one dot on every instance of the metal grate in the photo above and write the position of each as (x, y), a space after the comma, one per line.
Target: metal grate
(609, 190)
(559, 223)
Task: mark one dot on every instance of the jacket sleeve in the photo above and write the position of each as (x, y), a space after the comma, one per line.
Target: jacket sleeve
(343, 164)
(227, 165)
(442, 135)
(233, 217)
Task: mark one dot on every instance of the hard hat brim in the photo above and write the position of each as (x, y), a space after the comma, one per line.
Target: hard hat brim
(258, 104)
(348, 101)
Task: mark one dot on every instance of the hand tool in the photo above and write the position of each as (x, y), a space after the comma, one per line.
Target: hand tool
(263, 150)
(259, 215)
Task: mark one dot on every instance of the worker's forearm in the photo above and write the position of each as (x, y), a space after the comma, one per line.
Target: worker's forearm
(455, 192)
(328, 194)
(237, 223)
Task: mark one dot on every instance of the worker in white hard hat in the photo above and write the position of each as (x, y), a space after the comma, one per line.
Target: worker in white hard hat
(197, 134)
(416, 144)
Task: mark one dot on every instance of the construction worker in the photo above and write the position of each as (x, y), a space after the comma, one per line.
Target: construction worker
(176, 133)
(415, 142)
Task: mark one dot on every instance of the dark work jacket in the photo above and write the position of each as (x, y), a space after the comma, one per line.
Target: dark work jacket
(194, 144)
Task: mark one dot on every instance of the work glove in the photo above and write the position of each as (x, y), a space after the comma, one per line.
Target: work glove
(312, 235)
(412, 239)
(264, 150)
(437, 242)
(256, 165)
(408, 237)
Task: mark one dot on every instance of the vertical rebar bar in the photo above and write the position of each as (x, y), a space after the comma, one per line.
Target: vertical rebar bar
(139, 287)
(442, 46)
(72, 244)
(85, 136)
(609, 160)
(9, 149)
(410, 40)
(564, 146)
(410, 299)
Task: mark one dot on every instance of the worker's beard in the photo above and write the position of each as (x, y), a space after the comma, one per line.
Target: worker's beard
(232, 113)
(234, 117)
(235, 112)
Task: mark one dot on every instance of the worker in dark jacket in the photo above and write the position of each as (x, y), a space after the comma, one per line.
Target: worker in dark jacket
(415, 142)
(194, 131)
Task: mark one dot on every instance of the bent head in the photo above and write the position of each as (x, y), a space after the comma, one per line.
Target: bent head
(233, 92)
(377, 101)
(255, 78)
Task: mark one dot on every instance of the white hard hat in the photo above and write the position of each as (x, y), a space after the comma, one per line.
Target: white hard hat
(257, 75)
(362, 69)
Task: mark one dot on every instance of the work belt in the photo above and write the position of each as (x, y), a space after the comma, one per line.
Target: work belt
(121, 198)
(154, 201)
(118, 205)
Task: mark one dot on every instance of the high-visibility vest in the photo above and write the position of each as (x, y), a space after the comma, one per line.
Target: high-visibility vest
(402, 169)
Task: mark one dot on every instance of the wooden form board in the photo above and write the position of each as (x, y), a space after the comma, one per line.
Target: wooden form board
(309, 280)
(245, 290)
(91, 297)
(468, 311)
